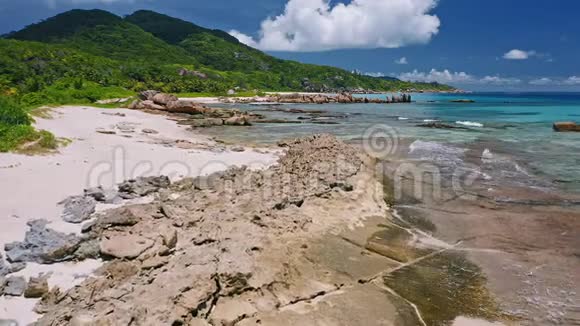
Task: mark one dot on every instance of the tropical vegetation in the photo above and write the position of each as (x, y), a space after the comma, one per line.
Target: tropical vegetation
(86, 55)
(81, 56)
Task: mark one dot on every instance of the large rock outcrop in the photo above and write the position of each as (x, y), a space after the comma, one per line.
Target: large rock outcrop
(156, 101)
(147, 95)
(164, 98)
(223, 248)
(189, 107)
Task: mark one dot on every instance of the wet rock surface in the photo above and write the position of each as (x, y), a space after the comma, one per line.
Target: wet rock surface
(440, 125)
(512, 261)
(223, 249)
(567, 126)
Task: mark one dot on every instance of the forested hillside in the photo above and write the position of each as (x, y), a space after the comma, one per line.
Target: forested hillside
(85, 55)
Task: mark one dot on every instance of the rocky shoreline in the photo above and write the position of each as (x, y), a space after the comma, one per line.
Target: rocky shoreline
(341, 98)
(220, 249)
(154, 100)
(308, 239)
(198, 115)
(105, 147)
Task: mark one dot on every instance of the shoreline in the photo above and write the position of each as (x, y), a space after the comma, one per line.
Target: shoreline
(97, 157)
(368, 233)
(526, 253)
(319, 248)
(232, 99)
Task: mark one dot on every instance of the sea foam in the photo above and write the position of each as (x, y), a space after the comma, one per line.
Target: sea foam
(469, 124)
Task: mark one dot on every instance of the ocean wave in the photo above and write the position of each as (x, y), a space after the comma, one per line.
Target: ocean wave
(469, 124)
(402, 118)
(447, 155)
(486, 155)
(430, 120)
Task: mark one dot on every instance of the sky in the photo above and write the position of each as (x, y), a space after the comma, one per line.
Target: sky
(509, 45)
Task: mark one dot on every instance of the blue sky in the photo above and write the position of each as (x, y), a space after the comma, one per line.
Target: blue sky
(474, 44)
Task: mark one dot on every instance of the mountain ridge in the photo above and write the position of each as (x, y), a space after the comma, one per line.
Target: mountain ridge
(155, 51)
(141, 17)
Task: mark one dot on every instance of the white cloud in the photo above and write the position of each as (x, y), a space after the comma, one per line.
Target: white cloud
(462, 78)
(444, 77)
(449, 77)
(496, 80)
(402, 61)
(574, 80)
(542, 81)
(516, 54)
(316, 25)
(545, 81)
(246, 39)
(374, 74)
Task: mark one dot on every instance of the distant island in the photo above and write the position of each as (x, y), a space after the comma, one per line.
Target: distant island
(82, 56)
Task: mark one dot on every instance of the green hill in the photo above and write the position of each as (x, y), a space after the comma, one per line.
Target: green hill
(65, 25)
(172, 30)
(101, 33)
(83, 55)
(221, 51)
(212, 48)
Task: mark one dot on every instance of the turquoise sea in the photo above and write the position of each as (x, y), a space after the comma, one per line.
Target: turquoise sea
(510, 132)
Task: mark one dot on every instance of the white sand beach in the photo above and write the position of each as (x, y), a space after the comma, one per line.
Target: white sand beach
(31, 186)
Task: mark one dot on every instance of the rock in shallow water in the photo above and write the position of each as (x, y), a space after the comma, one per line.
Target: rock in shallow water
(42, 245)
(240, 120)
(439, 125)
(566, 127)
